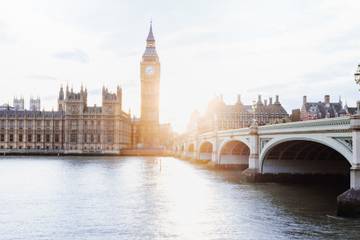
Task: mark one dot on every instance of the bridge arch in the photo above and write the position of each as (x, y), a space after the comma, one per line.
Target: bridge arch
(191, 148)
(234, 152)
(305, 155)
(205, 150)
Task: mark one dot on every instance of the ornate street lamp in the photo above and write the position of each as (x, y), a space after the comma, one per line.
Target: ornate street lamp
(357, 80)
(254, 120)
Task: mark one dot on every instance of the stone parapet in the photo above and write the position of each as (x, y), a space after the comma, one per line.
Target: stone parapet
(355, 122)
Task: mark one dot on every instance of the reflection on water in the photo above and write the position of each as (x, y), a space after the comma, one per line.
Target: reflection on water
(157, 198)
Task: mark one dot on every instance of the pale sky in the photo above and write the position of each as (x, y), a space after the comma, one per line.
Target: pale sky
(291, 48)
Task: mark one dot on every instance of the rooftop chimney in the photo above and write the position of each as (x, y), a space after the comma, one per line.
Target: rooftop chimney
(270, 100)
(259, 99)
(238, 98)
(277, 99)
(304, 99)
(327, 99)
(265, 102)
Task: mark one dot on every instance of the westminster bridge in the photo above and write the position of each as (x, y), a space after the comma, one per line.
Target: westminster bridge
(318, 147)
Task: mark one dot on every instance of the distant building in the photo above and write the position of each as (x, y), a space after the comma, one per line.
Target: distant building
(325, 109)
(35, 104)
(19, 104)
(295, 115)
(166, 136)
(6, 107)
(223, 116)
(150, 94)
(270, 112)
(135, 133)
(192, 125)
(75, 128)
(165, 140)
(347, 111)
(147, 132)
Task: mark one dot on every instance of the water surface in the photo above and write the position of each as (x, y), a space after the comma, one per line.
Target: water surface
(157, 198)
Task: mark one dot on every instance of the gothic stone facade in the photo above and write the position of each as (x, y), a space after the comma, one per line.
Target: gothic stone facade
(325, 109)
(221, 116)
(74, 129)
(150, 93)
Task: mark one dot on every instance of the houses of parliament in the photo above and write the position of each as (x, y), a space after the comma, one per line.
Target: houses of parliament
(76, 128)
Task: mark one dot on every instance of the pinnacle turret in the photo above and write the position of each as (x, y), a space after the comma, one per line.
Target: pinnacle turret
(150, 51)
(150, 37)
(61, 93)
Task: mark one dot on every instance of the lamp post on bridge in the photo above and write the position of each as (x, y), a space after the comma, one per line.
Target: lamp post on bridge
(357, 75)
(214, 155)
(254, 120)
(357, 80)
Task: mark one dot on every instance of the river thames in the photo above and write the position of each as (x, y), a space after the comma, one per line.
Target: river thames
(157, 198)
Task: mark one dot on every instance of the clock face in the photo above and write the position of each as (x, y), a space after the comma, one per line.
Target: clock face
(149, 70)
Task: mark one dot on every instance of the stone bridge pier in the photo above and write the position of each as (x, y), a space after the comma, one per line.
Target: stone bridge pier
(355, 169)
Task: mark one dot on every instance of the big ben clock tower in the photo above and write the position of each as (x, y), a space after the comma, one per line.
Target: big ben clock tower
(150, 84)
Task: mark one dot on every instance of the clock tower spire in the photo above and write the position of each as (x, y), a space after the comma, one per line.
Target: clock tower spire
(150, 93)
